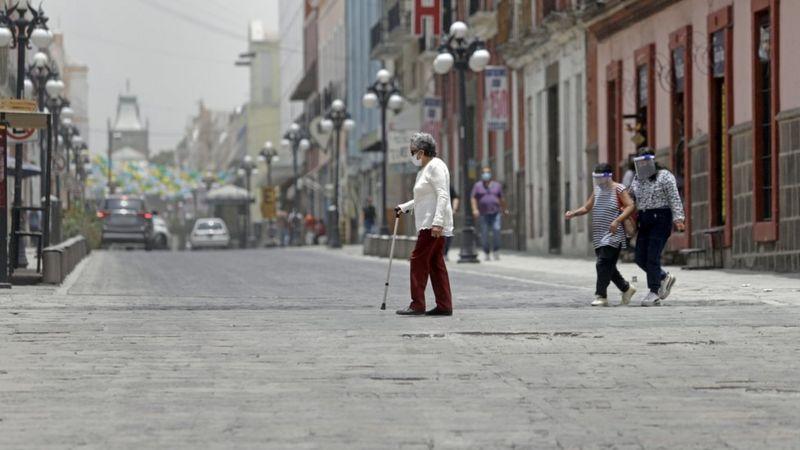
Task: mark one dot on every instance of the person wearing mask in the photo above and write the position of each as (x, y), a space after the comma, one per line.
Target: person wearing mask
(659, 209)
(433, 217)
(487, 204)
(610, 205)
(455, 202)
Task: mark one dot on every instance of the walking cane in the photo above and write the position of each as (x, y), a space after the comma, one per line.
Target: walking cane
(391, 257)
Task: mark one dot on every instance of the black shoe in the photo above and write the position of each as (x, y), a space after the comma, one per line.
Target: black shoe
(409, 312)
(439, 312)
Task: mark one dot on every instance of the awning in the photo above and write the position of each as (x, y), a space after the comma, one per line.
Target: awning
(229, 194)
(28, 169)
(307, 86)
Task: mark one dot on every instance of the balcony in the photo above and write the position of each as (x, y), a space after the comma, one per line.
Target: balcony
(391, 33)
(482, 18)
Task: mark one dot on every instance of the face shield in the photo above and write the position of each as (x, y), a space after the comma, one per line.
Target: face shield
(645, 166)
(603, 180)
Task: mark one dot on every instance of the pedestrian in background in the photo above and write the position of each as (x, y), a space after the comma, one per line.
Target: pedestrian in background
(455, 202)
(610, 205)
(487, 205)
(433, 217)
(369, 217)
(659, 209)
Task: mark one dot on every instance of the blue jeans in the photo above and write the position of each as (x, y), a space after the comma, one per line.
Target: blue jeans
(655, 227)
(490, 223)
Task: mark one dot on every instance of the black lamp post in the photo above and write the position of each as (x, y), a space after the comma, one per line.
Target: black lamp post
(298, 139)
(246, 170)
(336, 119)
(43, 82)
(464, 53)
(269, 155)
(385, 94)
(19, 27)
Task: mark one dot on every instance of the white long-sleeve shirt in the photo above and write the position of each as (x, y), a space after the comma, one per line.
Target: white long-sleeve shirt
(431, 202)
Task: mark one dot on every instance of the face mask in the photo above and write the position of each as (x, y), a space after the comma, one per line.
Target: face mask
(415, 161)
(645, 166)
(486, 176)
(603, 180)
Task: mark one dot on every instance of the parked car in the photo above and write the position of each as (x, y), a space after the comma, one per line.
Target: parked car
(209, 233)
(161, 235)
(126, 220)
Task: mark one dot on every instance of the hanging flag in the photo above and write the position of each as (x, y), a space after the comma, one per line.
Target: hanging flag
(496, 98)
(432, 116)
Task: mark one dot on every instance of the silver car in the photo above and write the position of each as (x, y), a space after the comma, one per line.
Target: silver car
(161, 235)
(209, 233)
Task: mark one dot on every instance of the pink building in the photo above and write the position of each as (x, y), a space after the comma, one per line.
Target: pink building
(713, 87)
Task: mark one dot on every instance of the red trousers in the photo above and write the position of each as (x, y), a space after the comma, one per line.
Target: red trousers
(427, 260)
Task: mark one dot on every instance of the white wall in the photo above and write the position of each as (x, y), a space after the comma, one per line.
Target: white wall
(572, 140)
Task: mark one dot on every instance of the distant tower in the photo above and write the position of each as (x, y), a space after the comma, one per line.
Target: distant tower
(130, 134)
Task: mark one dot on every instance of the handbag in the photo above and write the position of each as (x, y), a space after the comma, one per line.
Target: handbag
(630, 223)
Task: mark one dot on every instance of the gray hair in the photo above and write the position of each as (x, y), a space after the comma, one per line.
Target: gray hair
(425, 142)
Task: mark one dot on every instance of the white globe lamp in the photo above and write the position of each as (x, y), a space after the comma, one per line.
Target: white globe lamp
(370, 100)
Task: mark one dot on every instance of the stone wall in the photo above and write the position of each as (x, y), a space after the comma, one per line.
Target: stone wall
(743, 247)
(784, 254)
(698, 151)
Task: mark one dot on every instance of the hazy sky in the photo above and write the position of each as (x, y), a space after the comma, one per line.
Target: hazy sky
(174, 52)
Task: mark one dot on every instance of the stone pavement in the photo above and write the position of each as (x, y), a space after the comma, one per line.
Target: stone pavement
(287, 349)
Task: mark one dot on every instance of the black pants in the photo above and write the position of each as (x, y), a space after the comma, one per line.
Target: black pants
(607, 272)
(655, 227)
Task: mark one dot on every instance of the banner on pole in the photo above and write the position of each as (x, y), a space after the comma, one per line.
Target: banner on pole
(432, 116)
(427, 17)
(496, 98)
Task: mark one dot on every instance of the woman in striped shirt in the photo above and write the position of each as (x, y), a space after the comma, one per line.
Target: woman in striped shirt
(611, 205)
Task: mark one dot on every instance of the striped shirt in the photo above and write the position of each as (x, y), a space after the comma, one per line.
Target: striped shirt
(606, 209)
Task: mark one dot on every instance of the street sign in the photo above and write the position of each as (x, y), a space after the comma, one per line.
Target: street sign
(269, 202)
(17, 135)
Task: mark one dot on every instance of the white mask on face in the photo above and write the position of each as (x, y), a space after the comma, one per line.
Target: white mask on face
(415, 161)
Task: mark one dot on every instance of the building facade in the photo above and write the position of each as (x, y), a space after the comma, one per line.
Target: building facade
(712, 87)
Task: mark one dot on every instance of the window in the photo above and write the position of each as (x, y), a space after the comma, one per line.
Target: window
(680, 123)
(645, 97)
(720, 113)
(680, 44)
(765, 108)
(614, 116)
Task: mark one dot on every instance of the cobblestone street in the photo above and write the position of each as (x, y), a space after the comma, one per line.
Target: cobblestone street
(274, 349)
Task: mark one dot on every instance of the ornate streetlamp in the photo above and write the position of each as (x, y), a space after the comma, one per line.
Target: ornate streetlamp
(298, 139)
(463, 53)
(385, 94)
(19, 27)
(268, 155)
(247, 169)
(336, 119)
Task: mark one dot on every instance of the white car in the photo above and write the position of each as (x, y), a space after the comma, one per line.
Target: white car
(161, 235)
(209, 233)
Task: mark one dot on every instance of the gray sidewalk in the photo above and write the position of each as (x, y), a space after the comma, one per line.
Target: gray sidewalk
(693, 286)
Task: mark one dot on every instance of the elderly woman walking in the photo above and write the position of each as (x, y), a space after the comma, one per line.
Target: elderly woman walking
(433, 216)
(660, 207)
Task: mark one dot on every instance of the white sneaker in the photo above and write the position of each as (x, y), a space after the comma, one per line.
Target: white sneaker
(666, 286)
(628, 295)
(600, 301)
(487, 257)
(496, 256)
(652, 299)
